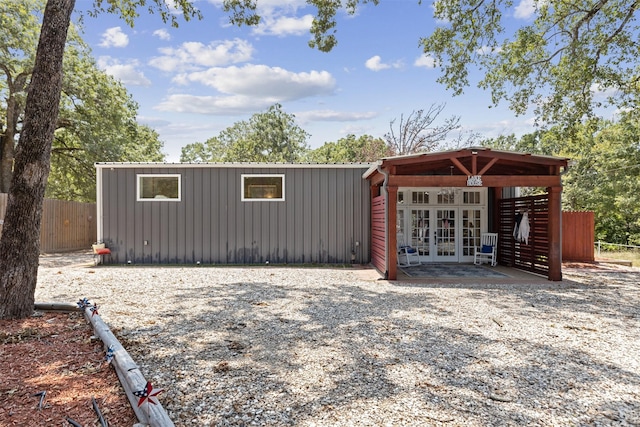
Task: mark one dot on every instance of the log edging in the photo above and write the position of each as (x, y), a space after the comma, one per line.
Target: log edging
(127, 370)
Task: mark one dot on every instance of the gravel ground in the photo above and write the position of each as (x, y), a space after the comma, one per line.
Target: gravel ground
(280, 346)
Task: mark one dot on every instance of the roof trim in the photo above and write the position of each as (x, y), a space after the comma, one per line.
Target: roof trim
(229, 165)
(469, 149)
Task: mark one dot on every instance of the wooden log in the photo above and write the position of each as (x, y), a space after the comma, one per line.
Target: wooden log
(129, 374)
(56, 306)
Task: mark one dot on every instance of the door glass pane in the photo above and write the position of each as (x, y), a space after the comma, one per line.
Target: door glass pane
(400, 225)
(446, 232)
(446, 197)
(470, 231)
(420, 227)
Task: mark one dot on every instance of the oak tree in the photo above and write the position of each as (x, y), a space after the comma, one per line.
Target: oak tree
(365, 148)
(270, 136)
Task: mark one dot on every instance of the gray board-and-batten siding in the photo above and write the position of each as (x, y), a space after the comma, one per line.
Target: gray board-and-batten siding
(325, 217)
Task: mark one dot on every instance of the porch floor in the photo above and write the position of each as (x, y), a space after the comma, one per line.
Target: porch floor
(466, 273)
(451, 270)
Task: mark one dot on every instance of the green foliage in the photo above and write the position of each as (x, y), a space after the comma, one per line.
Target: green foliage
(604, 172)
(351, 149)
(323, 27)
(97, 118)
(562, 61)
(129, 10)
(272, 136)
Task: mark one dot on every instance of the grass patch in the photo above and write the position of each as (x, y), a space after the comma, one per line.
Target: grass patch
(631, 255)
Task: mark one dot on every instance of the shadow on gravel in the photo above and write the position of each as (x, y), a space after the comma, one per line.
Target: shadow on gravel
(290, 355)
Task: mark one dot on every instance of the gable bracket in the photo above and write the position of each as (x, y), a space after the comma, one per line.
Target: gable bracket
(460, 166)
(488, 166)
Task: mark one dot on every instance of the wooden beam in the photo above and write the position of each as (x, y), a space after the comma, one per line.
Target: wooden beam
(460, 166)
(392, 238)
(487, 181)
(488, 166)
(376, 179)
(422, 158)
(555, 233)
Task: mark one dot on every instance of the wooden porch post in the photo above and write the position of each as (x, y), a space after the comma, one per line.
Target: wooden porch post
(555, 233)
(392, 238)
(495, 219)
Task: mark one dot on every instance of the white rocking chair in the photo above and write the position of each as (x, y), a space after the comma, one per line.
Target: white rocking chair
(407, 255)
(487, 252)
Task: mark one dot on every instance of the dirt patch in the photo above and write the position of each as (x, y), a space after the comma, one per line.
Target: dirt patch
(51, 369)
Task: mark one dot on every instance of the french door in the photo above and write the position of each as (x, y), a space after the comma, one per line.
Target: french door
(441, 234)
(445, 235)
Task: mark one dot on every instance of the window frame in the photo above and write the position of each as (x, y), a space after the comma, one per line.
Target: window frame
(262, 175)
(139, 177)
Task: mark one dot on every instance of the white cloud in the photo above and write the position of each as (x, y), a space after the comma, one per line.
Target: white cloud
(284, 25)
(425, 61)
(279, 17)
(525, 9)
(261, 81)
(375, 64)
(162, 34)
(114, 37)
(247, 89)
(333, 116)
(486, 50)
(601, 92)
(213, 105)
(127, 73)
(195, 55)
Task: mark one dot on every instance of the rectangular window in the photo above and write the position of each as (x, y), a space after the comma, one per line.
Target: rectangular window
(159, 187)
(471, 197)
(262, 187)
(419, 197)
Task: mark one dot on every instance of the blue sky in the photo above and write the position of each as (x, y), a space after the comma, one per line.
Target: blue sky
(194, 81)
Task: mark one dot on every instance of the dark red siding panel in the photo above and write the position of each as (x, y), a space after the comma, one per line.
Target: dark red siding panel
(378, 227)
(578, 236)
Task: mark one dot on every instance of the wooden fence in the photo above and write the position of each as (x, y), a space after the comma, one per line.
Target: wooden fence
(66, 226)
(578, 236)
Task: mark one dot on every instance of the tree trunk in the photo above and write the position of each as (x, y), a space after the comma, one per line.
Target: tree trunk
(20, 242)
(7, 150)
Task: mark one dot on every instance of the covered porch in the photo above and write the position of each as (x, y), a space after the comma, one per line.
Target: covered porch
(443, 201)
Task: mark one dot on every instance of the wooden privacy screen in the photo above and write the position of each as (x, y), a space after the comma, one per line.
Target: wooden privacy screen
(578, 236)
(378, 233)
(534, 255)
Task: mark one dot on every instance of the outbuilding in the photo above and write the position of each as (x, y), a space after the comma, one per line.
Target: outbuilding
(233, 213)
(250, 213)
